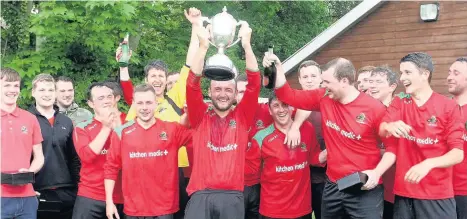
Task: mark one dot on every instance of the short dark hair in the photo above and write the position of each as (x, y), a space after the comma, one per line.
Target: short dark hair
(116, 89)
(96, 84)
(157, 65)
(461, 59)
(64, 79)
(386, 70)
(343, 69)
(9, 74)
(308, 63)
(421, 60)
(144, 88)
(271, 98)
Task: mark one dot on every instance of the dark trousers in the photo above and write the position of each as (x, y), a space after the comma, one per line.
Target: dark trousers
(183, 195)
(19, 207)
(65, 195)
(215, 204)
(461, 206)
(410, 208)
(168, 216)
(388, 210)
(316, 198)
(308, 216)
(364, 204)
(86, 208)
(251, 195)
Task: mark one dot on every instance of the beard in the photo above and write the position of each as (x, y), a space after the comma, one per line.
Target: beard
(222, 109)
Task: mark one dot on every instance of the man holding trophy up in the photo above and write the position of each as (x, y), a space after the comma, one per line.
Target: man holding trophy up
(219, 136)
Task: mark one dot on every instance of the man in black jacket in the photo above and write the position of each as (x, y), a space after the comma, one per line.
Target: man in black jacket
(57, 181)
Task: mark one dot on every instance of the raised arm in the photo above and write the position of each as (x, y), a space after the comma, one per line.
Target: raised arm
(249, 103)
(195, 103)
(125, 81)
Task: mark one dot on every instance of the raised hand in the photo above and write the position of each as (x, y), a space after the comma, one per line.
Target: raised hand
(119, 53)
(245, 34)
(193, 15)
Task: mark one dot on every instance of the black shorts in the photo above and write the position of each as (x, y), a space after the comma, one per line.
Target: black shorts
(66, 195)
(168, 216)
(215, 204)
(86, 208)
(308, 216)
(365, 204)
(461, 206)
(183, 195)
(410, 208)
(251, 198)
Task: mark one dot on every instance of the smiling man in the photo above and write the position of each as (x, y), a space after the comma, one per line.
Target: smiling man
(457, 86)
(383, 84)
(351, 118)
(65, 101)
(364, 74)
(428, 128)
(21, 138)
(59, 177)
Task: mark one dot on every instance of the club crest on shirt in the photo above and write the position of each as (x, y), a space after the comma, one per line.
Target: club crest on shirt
(260, 124)
(24, 130)
(303, 147)
(361, 118)
(232, 124)
(432, 121)
(163, 136)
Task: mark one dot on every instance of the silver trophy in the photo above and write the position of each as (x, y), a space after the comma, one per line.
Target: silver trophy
(223, 27)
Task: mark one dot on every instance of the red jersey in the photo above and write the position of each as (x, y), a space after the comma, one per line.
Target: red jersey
(437, 128)
(122, 117)
(20, 131)
(219, 144)
(349, 130)
(91, 183)
(149, 167)
(285, 176)
(460, 170)
(262, 120)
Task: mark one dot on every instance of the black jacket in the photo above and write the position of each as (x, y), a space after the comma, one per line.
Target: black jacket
(62, 164)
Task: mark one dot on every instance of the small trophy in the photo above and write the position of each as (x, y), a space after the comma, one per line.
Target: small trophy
(223, 27)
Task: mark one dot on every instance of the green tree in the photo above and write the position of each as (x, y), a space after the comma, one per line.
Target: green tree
(79, 39)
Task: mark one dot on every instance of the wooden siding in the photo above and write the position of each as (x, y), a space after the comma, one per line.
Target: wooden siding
(395, 29)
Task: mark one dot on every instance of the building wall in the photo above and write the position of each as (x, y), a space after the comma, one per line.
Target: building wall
(395, 29)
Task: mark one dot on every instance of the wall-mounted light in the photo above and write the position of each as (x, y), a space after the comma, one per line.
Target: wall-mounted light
(429, 12)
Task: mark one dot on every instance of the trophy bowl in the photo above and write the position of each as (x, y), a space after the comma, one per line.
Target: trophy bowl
(222, 33)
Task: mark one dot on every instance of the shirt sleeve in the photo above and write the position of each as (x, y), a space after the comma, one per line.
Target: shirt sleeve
(301, 99)
(81, 141)
(253, 155)
(390, 144)
(75, 164)
(127, 88)
(249, 104)
(184, 135)
(194, 101)
(36, 132)
(178, 91)
(113, 165)
(455, 127)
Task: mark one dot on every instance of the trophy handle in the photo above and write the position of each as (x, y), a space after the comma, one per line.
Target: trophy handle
(207, 20)
(240, 22)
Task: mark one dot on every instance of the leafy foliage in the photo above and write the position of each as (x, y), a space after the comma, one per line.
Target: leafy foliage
(78, 39)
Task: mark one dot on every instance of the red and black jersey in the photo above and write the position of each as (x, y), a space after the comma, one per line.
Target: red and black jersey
(219, 144)
(91, 184)
(285, 175)
(148, 160)
(350, 130)
(262, 120)
(437, 127)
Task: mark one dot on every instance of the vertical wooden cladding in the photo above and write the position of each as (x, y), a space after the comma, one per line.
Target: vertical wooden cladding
(395, 29)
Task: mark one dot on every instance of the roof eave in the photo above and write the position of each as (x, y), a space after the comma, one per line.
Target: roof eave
(335, 30)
